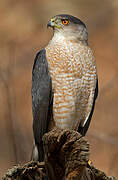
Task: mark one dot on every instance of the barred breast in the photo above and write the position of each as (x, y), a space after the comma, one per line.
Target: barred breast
(73, 70)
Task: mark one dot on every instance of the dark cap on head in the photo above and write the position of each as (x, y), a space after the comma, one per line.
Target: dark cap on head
(71, 18)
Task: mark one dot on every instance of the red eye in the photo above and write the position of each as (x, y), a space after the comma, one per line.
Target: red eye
(65, 22)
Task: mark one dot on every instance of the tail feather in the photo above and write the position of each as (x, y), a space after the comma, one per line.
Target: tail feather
(34, 156)
(37, 153)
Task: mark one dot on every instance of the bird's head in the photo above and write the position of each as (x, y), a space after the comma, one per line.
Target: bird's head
(69, 26)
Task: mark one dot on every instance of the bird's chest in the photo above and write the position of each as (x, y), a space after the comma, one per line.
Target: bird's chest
(64, 63)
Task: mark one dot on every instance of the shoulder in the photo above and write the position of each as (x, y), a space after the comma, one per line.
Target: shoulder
(40, 58)
(40, 62)
(40, 68)
(41, 53)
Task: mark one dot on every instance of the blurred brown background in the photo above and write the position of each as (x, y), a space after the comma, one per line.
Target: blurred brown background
(22, 33)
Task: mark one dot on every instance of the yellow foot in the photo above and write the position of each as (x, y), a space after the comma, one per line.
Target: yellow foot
(90, 163)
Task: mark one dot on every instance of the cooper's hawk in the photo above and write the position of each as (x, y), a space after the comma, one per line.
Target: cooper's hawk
(64, 81)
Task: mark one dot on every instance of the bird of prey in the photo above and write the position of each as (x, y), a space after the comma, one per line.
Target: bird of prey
(64, 81)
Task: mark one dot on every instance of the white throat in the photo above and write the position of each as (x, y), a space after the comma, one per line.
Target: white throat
(58, 37)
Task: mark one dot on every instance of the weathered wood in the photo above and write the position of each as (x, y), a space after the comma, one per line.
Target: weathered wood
(66, 154)
(66, 158)
(30, 171)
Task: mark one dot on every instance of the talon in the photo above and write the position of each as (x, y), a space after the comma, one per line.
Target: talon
(90, 163)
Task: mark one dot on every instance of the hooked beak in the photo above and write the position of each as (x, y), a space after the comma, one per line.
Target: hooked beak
(51, 23)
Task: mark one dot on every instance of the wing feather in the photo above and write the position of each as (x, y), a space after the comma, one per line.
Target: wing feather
(41, 99)
(83, 129)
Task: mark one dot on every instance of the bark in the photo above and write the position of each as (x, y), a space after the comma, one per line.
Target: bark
(66, 158)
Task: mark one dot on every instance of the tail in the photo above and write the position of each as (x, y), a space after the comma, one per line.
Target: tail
(37, 153)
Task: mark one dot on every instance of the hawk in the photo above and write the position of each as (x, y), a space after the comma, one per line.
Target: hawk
(64, 81)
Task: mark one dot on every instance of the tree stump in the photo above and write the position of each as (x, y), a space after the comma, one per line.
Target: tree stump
(66, 158)
(66, 154)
